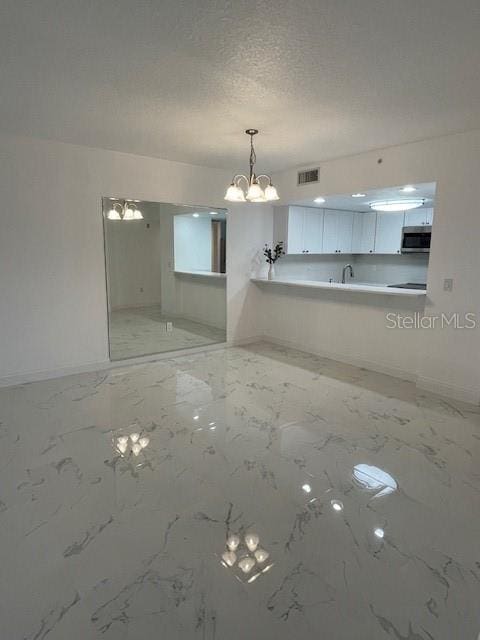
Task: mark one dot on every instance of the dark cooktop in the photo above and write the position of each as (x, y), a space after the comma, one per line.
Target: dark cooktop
(409, 285)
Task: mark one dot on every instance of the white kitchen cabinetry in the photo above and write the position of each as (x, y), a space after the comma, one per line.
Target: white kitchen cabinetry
(418, 217)
(337, 231)
(299, 228)
(295, 230)
(388, 234)
(312, 230)
(428, 216)
(363, 237)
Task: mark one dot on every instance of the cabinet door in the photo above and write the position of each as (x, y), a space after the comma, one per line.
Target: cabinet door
(280, 226)
(312, 230)
(363, 237)
(330, 231)
(388, 236)
(415, 218)
(344, 231)
(428, 216)
(295, 230)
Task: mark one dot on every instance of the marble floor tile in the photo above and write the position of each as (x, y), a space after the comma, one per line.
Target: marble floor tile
(119, 490)
(143, 331)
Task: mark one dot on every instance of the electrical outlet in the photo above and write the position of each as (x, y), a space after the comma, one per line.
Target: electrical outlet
(169, 326)
(448, 284)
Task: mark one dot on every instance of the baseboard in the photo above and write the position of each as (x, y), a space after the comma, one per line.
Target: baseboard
(48, 374)
(38, 376)
(470, 396)
(432, 385)
(371, 365)
(240, 342)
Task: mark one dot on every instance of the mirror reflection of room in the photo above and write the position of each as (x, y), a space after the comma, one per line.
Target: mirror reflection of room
(166, 276)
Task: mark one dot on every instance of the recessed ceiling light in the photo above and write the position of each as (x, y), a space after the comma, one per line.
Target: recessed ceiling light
(196, 215)
(396, 205)
(379, 533)
(409, 188)
(319, 200)
(358, 195)
(307, 488)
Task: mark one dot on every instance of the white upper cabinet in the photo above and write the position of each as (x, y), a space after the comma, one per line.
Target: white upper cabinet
(418, 217)
(299, 228)
(363, 237)
(337, 231)
(414, 218)
(295, 226)
(388, 236)
(312, 230)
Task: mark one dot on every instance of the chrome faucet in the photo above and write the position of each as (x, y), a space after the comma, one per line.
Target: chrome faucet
(345, 268)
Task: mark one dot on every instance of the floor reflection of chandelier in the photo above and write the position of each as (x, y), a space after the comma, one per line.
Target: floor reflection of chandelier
(245, 557)
(132, 444)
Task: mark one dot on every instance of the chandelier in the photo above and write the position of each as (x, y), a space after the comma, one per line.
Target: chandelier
(124, 210)
(252, 186)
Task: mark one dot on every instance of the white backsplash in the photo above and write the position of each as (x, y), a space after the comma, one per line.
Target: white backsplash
(391, 269)
(379, 269)
(309, 267)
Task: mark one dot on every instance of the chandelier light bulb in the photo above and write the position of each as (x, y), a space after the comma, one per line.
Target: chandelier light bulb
(255, 191)
(137, 215)
(136, 448)
(122, 447)
(271, 193)
(252, 540)
(122, 440)
(234, 194)
(246, 564)
(229, 557)
(233, 542)
(113, 214)
(134, 437)
(143, 442)
(129, 213)
(261, 555)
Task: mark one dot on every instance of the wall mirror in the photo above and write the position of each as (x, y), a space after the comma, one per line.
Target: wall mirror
(165, 276)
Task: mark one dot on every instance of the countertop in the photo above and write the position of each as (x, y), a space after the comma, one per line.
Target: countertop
(338, 286)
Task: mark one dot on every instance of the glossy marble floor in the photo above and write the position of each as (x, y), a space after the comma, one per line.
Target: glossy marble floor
(143, 330)
(364, 493)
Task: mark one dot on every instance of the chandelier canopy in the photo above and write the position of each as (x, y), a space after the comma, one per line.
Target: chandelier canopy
(252, 190)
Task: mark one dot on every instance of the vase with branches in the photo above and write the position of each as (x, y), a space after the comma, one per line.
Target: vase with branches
(272, 254)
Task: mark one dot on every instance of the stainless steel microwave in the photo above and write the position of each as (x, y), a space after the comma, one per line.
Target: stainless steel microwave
(416, 239)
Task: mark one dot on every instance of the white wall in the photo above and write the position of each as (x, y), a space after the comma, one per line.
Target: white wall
(201, 299)
(193, 243)
(445, 360)
(133, 258)
(53, 309)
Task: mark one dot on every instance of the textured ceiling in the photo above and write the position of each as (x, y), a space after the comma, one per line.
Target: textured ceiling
(182, 79)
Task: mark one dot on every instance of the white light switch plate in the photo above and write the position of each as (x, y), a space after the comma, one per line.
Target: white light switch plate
(169, 326)
(448, 284)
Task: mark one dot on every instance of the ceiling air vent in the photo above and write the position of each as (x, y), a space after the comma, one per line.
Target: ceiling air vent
(308, 176)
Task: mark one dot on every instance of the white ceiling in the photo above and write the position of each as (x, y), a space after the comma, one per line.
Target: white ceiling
(347, 202)
(182, 79)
